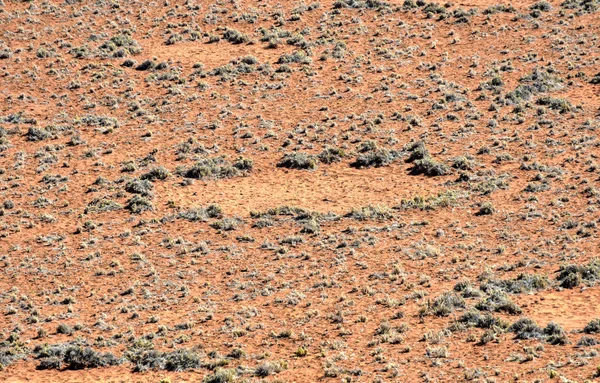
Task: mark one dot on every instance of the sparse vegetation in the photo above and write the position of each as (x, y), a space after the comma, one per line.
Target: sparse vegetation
(298, 161)
(352, 190)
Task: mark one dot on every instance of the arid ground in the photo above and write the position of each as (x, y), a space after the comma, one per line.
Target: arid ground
(288, 191)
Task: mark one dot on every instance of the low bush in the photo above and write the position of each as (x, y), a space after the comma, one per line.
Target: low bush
(298, 160)
(429, 167)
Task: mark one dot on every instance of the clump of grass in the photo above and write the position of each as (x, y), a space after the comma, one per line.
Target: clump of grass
(442, 199)
(221, 376)
(486, 208)
(499, 8)
(159, 173)
(217, 168)
(437, 352)
(593, 327)
(562, 105)
(142, 187)
(361, 4)
(235, 37)
(570, 276)
(138, 204)
(375, 158)
(541, 80)
(483, 321)
(73, 357)
(64, 329)
(555, 334)
(297, 57)
(377, 212)
(467, 290)
(444, 305)
(39, 134)
(526, 328)
(582, 6)
(417, 151)
(298, 160)
(523, 283)
(429, 167)
(201, 214)
(226, 224)
(100, 205)
(12, 349)
(587, 341)
(330, 155)
(284, 210)
(179, 360)
(422, 162)
(498, 301)
(463, 163)
(270, 368)
(145, 65)
(543, 6)
(120, 45)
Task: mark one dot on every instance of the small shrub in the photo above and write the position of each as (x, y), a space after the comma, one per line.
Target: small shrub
(582, 6)
(73, 357)
(437, 352)
(523, 283)
(526, 328)
(429, 167)
(570, 276)
(442, 199)
(139, 204)
(64, 329)
(541, 6)
(445, 304)
(221, 376)
(159, 173)
(361, 4)
(179, 360)
(244, 164)
(462, 163)
(486, 208)
(555, 334)
(99, 205)
(593, 327)
(417, 151)
(587, 341)
(226, 224)
(145, 65)
(377, 212)
(484, 321)
(141, 187)
(218, 168)
(298, 57)
(182, 360)
(201, 214)
(52, 363)
(498, 301)
(376, 158)
(298, 160)
(330, 155)
(560, 104)
(37, 134)
(237, 353)
(269, 368)
(235, 36)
